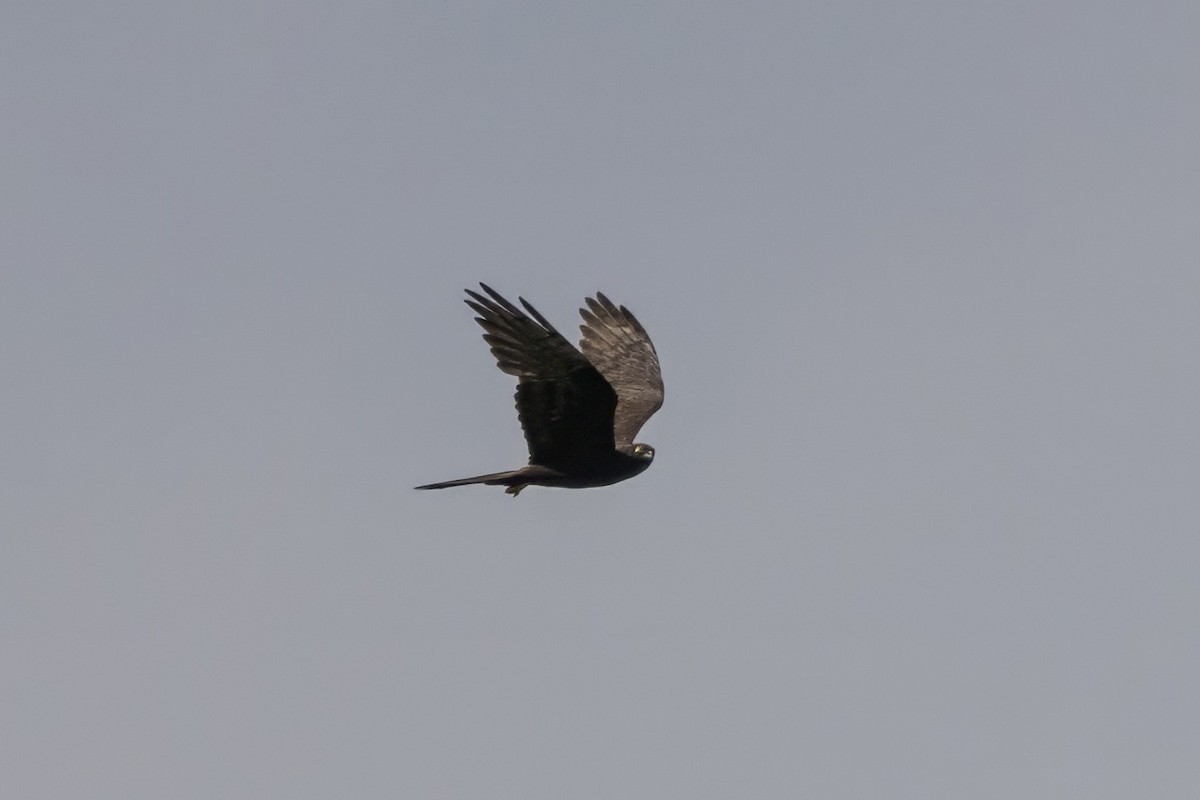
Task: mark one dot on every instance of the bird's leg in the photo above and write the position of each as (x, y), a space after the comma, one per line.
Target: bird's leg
(515, 489)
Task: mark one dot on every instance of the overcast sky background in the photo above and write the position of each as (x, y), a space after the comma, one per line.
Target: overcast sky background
(924, 517)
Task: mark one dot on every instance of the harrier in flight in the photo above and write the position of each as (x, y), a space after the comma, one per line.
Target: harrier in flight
(579, 410)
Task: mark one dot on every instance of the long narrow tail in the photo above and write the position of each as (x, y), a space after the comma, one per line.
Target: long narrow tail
(511, 479)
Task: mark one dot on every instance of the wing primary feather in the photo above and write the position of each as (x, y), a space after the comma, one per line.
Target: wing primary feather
(533, 312)
(498, 300)
(593, 326)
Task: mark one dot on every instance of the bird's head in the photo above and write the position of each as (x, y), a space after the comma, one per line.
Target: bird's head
(643, 451)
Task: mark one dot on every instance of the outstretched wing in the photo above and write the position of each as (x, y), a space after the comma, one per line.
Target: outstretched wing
(617, 344)
(565, 406)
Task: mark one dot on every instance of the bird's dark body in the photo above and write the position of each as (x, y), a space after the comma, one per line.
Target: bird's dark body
(579, 410)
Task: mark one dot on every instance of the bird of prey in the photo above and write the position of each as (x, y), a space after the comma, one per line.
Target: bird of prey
(579, 410)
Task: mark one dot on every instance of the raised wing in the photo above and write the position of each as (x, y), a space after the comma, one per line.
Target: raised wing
(565, 406)
(617, 345)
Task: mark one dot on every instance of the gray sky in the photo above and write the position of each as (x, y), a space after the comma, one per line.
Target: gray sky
(923, 519)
